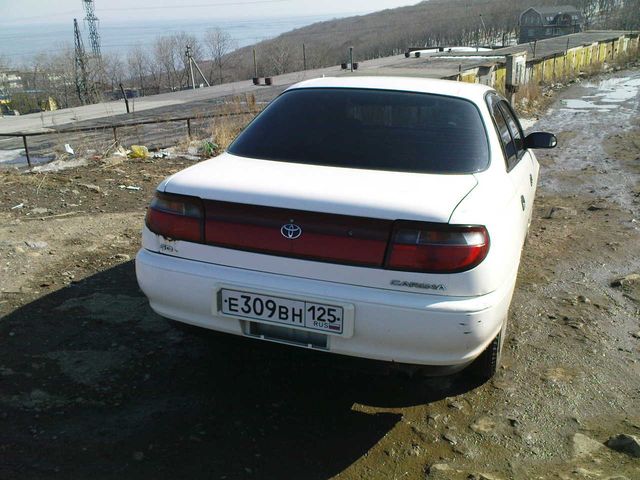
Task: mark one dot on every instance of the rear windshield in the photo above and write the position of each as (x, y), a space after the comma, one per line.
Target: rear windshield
(371, 129)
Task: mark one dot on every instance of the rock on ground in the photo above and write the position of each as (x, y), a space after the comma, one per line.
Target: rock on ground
(629, 444)
(583, 445)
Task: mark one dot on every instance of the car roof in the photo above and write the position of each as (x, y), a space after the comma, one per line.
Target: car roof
(471, 91)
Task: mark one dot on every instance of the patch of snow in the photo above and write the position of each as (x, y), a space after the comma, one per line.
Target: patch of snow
(17, 158)
(583, 105)
(467, 49)
(59, 165)
(527, 123)
(10, 155)
(471, 57)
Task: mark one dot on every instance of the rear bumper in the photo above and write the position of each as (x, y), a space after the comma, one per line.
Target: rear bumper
(387, 325)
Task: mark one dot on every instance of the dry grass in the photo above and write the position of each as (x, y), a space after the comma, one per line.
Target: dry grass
(625, 59)
(225, 130)
(240, 111)
(530, 99)
(593, 69)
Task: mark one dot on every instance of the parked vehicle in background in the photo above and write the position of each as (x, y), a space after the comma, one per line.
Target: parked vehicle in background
(376, 217)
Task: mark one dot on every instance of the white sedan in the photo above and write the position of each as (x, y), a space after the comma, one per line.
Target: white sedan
(376, 217)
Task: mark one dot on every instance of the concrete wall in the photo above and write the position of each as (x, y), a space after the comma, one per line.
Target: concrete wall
(587, 58)
(560, 66)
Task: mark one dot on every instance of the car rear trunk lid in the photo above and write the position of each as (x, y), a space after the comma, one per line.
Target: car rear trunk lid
(374, 194)
(337, 219)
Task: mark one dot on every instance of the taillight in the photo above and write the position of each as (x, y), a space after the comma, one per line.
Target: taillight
(176, 217)
(437, 248)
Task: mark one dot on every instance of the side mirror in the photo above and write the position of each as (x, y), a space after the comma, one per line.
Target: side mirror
(540, 140)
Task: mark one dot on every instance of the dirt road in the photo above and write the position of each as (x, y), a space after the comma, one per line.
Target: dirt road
(94, 385)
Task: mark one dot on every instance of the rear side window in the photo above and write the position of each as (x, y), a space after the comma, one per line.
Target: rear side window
(505, 134)
(514, 126)
(509, 129)
(369, 129)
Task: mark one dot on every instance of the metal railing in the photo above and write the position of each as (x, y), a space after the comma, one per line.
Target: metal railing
(115, 126)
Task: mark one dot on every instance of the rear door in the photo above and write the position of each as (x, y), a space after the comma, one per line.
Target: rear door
(518, 164)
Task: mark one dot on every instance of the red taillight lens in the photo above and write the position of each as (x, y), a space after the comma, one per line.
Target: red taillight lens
(176, 217)
(437, 248)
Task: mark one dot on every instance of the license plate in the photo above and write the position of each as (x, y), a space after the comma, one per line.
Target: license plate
(296, 313)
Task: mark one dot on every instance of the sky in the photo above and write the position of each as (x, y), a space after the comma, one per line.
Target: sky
(24, 12)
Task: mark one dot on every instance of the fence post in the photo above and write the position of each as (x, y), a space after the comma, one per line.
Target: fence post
(115, 135)
(26, 150)
(516, 66)
(189, 128)
(124, 95)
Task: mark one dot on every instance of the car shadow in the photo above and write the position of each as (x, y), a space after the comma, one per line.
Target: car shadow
(94, 384)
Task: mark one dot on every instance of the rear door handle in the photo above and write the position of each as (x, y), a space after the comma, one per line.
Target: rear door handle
(524, 202)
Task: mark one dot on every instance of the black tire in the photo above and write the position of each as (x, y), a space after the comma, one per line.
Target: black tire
(487, 364)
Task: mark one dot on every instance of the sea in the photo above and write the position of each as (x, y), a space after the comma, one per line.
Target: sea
(19, 44)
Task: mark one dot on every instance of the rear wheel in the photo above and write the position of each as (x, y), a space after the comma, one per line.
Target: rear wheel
(486, 365)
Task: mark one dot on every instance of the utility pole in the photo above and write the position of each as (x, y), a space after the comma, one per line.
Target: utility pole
(351, 58)
(484, 27)
(304, 56)
(80, 66)
(193, 63)
(255, 64)
(190, 57)
(92, 23)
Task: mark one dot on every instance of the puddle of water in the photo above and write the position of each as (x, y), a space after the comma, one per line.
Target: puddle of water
(615, 90)
(579, 104)
(590, 113)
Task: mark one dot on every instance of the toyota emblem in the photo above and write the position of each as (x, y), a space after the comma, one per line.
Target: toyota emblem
(291, 231)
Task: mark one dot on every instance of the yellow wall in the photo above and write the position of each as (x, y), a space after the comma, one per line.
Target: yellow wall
(602, 52)
(468, 77)
(501, 78)
(548, 74)
(566, 65)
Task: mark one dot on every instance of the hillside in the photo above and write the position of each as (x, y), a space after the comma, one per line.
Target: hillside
(428, 23)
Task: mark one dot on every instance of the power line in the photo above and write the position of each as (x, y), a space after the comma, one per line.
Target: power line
(199, 5)
(47, 17)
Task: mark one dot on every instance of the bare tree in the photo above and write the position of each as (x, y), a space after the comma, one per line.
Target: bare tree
(114, 69)
(139, 66)
(4, 66)
(164, 55)
(318, 55)
(628, 17)
(589, 10)
(279, 57)
(219, 44)
(155, 75)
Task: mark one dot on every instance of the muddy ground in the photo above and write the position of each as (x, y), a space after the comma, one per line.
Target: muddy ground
(93, 384)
